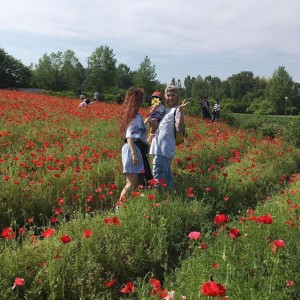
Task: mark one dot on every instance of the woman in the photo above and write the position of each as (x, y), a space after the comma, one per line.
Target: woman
(134, 151)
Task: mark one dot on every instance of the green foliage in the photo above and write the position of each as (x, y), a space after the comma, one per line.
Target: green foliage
(279, 90)
(13, 72)
(59, 157)
(145, 77)
(65, 94)
(58, 72)
(101, 71)
(249, 266)
(293, 131)
(261, 107)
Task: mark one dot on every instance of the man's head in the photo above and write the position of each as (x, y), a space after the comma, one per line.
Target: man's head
(171, 96)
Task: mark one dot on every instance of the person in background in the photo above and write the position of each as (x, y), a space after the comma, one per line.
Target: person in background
(157, 111)
(164, 142)
(84, 103)
(134, 151)
(96, 96)
(204, 105)
(216, 111)
(119, 99)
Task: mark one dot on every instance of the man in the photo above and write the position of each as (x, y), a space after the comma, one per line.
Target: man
(163, 144)
(205, 108)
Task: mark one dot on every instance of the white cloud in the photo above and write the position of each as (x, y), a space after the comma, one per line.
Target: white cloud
(246, 30)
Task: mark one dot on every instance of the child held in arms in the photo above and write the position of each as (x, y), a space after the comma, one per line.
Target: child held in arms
(157, 111)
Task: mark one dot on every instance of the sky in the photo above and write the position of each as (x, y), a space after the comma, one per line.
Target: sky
(181, 37)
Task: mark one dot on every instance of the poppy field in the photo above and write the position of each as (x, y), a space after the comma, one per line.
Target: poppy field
(228, 230)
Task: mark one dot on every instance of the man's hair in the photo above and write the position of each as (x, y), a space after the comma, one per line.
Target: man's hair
(172, 88)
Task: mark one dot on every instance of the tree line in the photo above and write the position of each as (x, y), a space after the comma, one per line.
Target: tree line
(63, 72)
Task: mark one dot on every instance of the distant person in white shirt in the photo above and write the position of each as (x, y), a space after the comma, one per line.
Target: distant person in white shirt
(216, 111)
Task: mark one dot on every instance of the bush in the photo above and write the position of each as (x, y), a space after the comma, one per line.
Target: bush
(293, 132)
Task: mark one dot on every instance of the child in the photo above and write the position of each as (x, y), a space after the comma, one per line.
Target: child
(157, 111)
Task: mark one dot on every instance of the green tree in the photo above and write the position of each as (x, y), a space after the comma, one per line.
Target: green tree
(72, 71)
(145, 77)
(101, 71)
(281, 90)
(13, 72)
(198, 88)
(261, 107)
(48, 72)
(241, 84)
(124, 76)
(212, 85)
(188, 83)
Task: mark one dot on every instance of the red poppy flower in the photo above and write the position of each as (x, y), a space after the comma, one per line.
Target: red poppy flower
(290, 283)
(155, 283)
(195, 235)
(151, 197)
(110, 283)
(113, 220)
(220, 219)
(47, 233)
(203, 246)
(66, 239)
(135, 193)
(234, 233)
(60, 201)
(6, 232)
(267, 219)
(279, 243)
(54, 220)
(213, 289)
(58, 211)
(87, 233)
(18, 282)
(129, 288)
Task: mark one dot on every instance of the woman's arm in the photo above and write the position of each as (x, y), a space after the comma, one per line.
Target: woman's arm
(135, 158)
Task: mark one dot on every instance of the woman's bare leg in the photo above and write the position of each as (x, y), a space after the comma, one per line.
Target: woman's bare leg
(133, 180)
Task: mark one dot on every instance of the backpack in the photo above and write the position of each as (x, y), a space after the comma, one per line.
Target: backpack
(179, 135)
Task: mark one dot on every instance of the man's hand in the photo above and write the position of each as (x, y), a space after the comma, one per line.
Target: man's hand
(183, 105)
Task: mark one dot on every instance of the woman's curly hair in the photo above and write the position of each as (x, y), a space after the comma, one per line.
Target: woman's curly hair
(131, 105)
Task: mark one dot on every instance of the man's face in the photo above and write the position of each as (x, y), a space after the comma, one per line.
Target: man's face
(171, 98)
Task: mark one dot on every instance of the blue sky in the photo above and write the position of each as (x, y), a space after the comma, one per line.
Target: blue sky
(181, 37)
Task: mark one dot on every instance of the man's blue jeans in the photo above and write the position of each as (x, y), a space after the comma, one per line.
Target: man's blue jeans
(162, 170)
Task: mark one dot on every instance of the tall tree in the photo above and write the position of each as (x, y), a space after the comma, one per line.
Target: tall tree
(241, 84)
(188, 83)
(145, 77)
(101, 71)
(281, 90)
(13, 72)
(199, 89)
(59, 71)
(72, 71)
(124, 76)
(213, 85)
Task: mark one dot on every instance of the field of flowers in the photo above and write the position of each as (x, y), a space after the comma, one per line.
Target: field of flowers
(229, 229)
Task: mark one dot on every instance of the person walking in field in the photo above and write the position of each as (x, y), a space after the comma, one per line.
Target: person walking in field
(204, 105)
(216, 111)
(134, 151)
